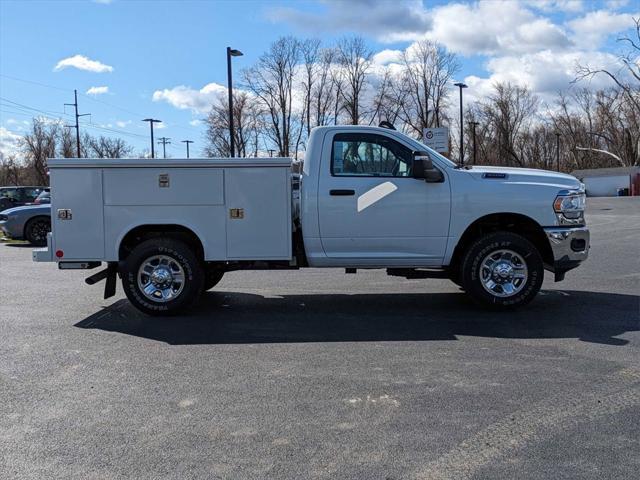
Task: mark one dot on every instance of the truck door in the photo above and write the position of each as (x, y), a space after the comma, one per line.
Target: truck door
(371, 211)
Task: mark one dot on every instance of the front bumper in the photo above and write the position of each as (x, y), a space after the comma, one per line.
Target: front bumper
(570, 247)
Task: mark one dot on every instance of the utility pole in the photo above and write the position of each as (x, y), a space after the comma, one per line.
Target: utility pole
(473, 128)
(461, 85)
(231, 52)
(558, 151)
(187, 142)
(78, 115)
(164, 141)
(151, 122)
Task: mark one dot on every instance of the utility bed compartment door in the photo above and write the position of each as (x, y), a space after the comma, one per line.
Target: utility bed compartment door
(163, 186)
(80, 232)
(258, 202)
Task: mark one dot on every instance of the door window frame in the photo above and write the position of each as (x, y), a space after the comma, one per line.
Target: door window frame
(368, 134)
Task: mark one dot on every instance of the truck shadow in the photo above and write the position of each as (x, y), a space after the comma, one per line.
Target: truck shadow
(232, 318)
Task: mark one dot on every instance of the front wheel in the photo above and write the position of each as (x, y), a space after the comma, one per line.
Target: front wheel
(162, 276)
(502, 270)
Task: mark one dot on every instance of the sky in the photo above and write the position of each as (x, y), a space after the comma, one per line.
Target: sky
(133, 59)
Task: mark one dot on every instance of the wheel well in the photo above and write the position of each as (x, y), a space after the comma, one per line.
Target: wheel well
(510, 222)
(145, 232)
(28, 222)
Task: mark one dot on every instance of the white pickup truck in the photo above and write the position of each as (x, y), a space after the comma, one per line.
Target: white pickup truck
(368, 197)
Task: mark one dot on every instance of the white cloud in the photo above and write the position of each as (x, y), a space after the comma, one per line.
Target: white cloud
(123, 123)
(385, 20)
(195, 122)
(615, 4)
(591, 29)
(557, 5)
(82, 63)
(187, 98)
(494, 28)
(98, 90)
(9, 142)
(387, 56)
(545, 73)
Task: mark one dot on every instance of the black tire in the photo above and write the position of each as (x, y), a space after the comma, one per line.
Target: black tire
(212, 278)
(491, 245)
(181, 257)
(36, 229)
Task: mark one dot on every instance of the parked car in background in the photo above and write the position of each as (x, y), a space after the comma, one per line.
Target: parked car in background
(43, 199)
(18, 196)
(31, 223)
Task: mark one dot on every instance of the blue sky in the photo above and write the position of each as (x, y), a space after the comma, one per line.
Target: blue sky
(157, 58)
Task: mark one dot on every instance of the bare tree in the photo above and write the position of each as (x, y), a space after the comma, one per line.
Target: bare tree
(627, 78)
(387, 102)
(428, 71)
(246, 117)
(272, 81)
(106, 147)
(322, 95)
(38, 145)
(509, 110)
(355, 62)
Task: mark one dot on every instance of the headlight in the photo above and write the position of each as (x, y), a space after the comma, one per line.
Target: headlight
(570, 205)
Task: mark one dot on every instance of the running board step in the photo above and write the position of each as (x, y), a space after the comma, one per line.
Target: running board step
(411, 273)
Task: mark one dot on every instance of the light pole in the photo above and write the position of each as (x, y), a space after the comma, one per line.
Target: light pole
(231, 52)
(473, 128)
(187, 142)
(151, 122)
(461, 86)
(558, 151)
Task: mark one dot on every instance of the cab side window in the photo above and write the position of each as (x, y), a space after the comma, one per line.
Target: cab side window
(369, 155)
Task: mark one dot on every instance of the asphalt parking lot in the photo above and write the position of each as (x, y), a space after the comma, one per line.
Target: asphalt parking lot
(317, 374)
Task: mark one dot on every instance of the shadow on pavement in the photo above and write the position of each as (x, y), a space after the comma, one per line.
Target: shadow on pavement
(19, 245)
(231, 317)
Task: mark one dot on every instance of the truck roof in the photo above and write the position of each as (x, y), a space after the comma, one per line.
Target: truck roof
(167, 162)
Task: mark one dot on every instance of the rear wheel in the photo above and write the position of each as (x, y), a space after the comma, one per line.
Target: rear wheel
(162, 276)
(502, 270)
(36, 230)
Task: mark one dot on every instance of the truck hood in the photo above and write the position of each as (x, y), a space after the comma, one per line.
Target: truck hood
(526, 176)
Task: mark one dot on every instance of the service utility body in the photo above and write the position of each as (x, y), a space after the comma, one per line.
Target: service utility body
(367, 197)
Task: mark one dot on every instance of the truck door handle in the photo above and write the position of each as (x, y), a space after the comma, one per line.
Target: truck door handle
(342, 193)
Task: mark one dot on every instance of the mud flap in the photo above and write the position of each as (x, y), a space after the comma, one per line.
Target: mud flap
(110, 274)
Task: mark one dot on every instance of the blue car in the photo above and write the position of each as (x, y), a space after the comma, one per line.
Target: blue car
(31, 223)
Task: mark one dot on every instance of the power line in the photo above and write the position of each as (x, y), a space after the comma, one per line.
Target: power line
(78, 115)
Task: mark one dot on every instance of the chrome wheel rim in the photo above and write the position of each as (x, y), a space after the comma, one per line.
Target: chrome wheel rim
(161, 278)
(503, 273)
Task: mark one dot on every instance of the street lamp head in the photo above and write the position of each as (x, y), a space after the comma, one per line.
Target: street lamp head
(153, 120)
(235, 53)
(460, 84)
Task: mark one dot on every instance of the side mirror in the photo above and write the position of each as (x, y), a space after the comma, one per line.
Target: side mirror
(423, 168)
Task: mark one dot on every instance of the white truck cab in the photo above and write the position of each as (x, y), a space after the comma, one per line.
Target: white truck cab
(369, 197)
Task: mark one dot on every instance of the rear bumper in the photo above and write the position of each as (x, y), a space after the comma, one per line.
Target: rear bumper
(570, 247)
(44, 254)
